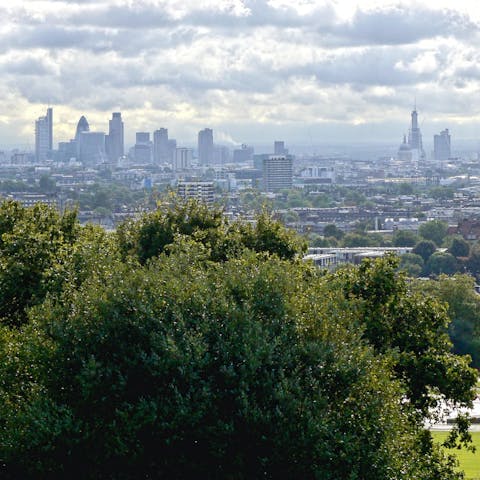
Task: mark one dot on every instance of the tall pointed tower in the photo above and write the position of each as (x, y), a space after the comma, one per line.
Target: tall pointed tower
(415, 136)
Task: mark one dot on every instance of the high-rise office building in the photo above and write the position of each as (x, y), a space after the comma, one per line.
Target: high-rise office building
(441, 145)
(143, 148)
(91, 148)
(279, 148)
(82, 126)
(114, 141)
(243, 154)
(205, 146)
(183, 159)
(44, 136)
(160, 146)
(277, 173)
(415, 137)
(172, 148)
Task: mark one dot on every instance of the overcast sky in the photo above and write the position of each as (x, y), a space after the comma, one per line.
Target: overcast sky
(306, 71)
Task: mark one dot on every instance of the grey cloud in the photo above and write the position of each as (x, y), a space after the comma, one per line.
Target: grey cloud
(25, 66)
(396, 26)
(51, 36)
(135, 16)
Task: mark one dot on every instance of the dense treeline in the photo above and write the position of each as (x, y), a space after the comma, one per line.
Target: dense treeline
(186, 346)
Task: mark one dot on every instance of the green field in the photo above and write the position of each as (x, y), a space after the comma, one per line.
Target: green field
(469, 462)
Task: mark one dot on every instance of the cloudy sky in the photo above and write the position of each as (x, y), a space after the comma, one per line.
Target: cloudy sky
(306, 71)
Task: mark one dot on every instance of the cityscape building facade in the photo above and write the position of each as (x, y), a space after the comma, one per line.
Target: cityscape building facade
(441, 145)
(277, 173)
(44, 136)
(161, 146)
(183, 159)
(415, 137)
(91, 148)
(205, 146)
(201, 191)
(279, 148)
(143, 148)
(114, 141)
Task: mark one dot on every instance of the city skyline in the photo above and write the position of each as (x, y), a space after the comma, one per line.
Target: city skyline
(250, 70)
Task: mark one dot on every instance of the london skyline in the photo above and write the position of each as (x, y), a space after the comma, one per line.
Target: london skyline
(250, 70)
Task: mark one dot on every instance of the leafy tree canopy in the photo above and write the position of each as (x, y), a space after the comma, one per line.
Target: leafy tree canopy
(219, 355)
(32, 242)
(434, 230)
(424, 248)
(459, 248)
(404, 238)
(442, 263)
(464, 310)
(331, 230)
(154, 232)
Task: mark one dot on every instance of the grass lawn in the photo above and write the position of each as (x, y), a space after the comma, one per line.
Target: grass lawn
(469, 462)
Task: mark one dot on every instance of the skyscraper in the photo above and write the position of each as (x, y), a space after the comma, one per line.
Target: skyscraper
(44, 136)
(91, 148)
(114, 141)
(205, 146)
(183, 159)
(82, 126)
(277, 173)
(279, 148)
(415, 137)
(441, 145)
(160, 146)
(143, 148)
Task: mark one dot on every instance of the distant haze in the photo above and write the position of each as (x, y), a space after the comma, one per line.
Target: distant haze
(307, 72)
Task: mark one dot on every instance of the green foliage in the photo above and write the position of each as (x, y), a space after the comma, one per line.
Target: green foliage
(252, 200)
(442, 193)
(424, 248)
(225, 372)
(412, 264)
(404, 238)
(405, 189)
(473, 262)
(112, 197)
(351, 240)
(442, 263)
(154, 232)
(464, 310)
(459, 248)
(331, 230)
(434, 230)
(33, 240)
(413, 328)
(185, 346)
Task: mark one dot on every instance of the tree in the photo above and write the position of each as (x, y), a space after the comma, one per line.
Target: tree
(404, 238)
(175, 372)
(442, 193)
(412, 264)
(32, 242)
(47, 184)
(434, 230)
(464, 310)
(412, 327)
(459, 248)
(442, 263)
(238, 365)
(473, 262)
(155, 231)
(424, 248)
(352, 240)
(331, 230)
